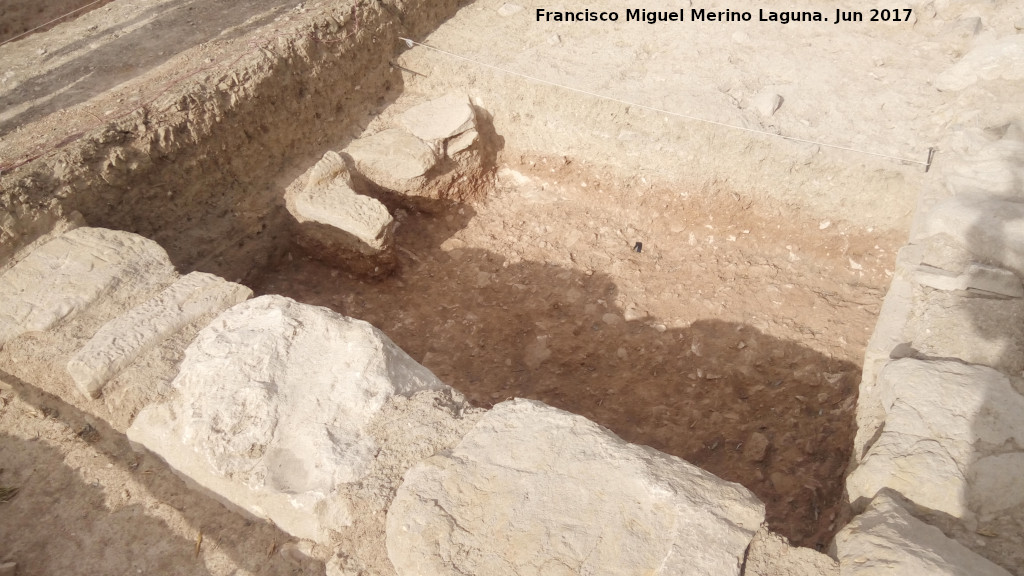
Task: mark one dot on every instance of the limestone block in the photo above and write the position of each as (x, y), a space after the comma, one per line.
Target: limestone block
(461, 143)
(1000, 59)
(273, 400)
(936, 411)
(338, 225)
(439, 119)
(119, 342)
(535, 490)
(766, 102)
(890, 332)
(990, 228)
(978, 278)
(392, 159)
(771, 555)
(997, 483)
(887, 541)
(969, 328)
(67, 274)
(989, 162)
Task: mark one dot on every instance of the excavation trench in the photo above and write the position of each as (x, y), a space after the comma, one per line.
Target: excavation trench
(715, 329)
(694, 315)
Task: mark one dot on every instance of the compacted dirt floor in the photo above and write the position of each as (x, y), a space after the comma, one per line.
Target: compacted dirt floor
(732, 339)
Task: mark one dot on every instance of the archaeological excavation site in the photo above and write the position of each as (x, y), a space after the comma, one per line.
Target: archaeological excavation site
(422, 287)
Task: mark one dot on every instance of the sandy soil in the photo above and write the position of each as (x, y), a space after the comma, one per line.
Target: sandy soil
(735, 320)
(18, 17)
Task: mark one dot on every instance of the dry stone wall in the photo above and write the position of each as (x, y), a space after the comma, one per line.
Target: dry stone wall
(321, 425)
(941, 408)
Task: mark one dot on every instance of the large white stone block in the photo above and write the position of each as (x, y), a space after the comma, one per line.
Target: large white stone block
(338, 225)
(392, 159)
(992, 229)
(439, 119)
(273, 400)
(887, 541)
(936, 412)
(535, 490)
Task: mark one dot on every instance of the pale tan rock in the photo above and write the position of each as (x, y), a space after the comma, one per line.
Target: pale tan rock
(766, 102)
(887, 541)
(67, 274)
(274, 398)
(119, 342)
(535, 490)
(970, 328)
(771, 555)
(336, 224)
(890, 332)
(756, 447)
(392, 159)
(1001, 59)
(439, 119)
(936, 412)
(991, 228)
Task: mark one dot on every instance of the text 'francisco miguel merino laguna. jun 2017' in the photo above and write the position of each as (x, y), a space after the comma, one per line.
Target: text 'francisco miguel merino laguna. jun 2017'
(702, 15)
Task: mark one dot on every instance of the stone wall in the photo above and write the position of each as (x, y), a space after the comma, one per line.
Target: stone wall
(941, 410)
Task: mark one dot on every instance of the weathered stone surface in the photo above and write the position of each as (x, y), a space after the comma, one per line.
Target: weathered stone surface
(338, 225)
(996, 483)
(766, 102)
(535, 490)
(979, 278)
(989, 162)
(969, 328)
(771, 555)
(21, 234)
(119, 342)
(461, 143)
(392, 159)
(439, 119)
(991, 228)
(65, 275)
(888, 335)
(1000, 59)
(887, 541)
(274, 398)
(935, 414)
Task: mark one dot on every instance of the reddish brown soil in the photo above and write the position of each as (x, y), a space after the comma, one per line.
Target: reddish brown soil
(735, 319)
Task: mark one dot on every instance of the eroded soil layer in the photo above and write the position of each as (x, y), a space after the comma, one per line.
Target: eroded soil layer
(732, 339)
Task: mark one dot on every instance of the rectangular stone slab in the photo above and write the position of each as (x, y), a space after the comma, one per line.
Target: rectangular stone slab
(119, 342)
(67, 274)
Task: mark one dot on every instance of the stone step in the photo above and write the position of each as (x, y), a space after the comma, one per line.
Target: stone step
(119, 342)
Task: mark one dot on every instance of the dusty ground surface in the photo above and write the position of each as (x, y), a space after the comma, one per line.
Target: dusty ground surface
(19, 17)
(731, 340)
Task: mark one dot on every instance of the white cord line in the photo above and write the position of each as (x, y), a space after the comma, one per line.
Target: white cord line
(48, 23)
(410, 44)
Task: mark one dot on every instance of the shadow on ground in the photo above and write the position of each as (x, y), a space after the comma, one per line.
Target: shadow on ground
(497, 330)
